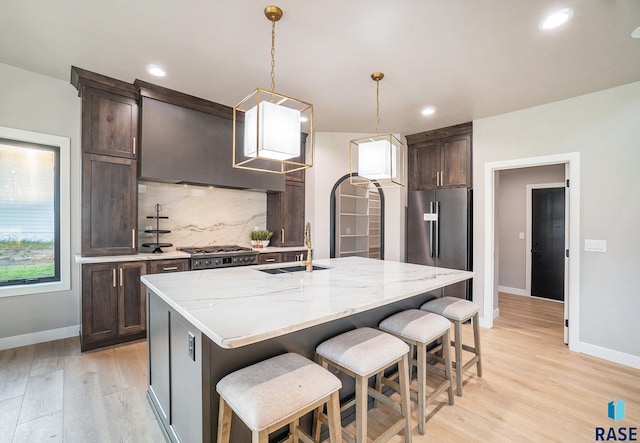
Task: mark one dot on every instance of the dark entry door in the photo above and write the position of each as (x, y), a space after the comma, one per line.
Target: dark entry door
(547, 243)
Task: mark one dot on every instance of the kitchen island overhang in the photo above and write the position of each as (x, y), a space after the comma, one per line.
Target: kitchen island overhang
(206, 324)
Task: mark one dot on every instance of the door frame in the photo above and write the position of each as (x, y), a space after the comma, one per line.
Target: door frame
(490, 288)
(529, 228)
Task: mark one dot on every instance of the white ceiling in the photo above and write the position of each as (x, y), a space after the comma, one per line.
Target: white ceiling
(468, 58)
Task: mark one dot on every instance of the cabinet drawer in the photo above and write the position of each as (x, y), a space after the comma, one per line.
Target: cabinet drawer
(162, 266)
(271, 257)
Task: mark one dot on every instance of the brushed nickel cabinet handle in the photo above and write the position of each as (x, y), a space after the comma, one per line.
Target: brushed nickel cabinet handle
(269, 260)
(282, 235)
(114, 277)
(170, 268)
(133, 238)
(121, 277)
(134, 146)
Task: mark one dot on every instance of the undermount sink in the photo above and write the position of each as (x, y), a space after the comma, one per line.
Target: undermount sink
(288, 269)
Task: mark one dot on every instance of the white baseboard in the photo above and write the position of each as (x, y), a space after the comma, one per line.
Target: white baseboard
(514, 291)
(496, 313)
(38, 337)
(608, 354)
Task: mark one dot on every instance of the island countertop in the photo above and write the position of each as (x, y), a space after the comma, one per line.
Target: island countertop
(239, 306)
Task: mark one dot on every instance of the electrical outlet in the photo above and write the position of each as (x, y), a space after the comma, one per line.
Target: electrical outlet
(192, 346)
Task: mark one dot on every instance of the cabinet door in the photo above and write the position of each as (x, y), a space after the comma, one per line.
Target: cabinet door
(162, 266)
(159, 359)
(109, 123)
(293, 214)
(285, 215)
(426, 166)
(456, 162)
(132, 305)
(99, 302)
(109, 205)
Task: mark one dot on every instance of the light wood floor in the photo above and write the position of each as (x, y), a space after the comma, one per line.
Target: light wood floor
(533, 389)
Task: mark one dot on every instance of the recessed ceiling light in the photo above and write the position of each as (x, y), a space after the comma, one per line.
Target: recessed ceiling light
(636, 33)
(556, 19)
(430, 110)
(156, 71)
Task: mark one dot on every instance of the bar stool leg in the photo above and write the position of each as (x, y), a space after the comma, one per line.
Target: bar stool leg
(422, 388)
(405, 394)
(259, 437)
(292, 431)
(224, 422)
(476, 342)
(333, 411)
(362, 397)
(457, 336)
(446, 354)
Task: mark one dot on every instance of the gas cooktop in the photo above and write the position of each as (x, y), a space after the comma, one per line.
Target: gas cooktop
(211, 257)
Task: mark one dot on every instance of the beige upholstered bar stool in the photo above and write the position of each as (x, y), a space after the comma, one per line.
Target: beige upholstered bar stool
(459, 311)
(419, 329)
(277, 392)
(361, 354)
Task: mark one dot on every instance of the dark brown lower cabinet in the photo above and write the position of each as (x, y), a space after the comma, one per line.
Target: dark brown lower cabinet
(113, 304)
(169, 265)
(282, 257)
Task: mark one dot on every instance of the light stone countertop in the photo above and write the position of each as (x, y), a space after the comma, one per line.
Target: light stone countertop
(137, 257)
(239, 306)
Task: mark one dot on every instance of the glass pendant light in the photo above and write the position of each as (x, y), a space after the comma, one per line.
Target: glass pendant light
(272, 132)
(378, 158)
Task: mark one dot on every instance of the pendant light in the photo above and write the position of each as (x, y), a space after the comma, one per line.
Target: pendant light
(272, 132)
(378, 158)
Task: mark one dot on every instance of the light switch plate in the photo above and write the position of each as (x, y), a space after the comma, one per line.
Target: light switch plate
(521, 235)
(595, 245)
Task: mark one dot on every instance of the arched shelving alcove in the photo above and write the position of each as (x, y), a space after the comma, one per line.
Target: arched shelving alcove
(357, 220)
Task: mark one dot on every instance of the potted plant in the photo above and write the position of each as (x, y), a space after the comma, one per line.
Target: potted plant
(260, 238)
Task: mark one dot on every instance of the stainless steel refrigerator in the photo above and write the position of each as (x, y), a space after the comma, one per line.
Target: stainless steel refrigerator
(439, 233)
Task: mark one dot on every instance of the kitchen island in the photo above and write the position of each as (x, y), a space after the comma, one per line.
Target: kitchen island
(203, 325)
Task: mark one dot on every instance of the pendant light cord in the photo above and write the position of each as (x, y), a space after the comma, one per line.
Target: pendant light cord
(273, 55)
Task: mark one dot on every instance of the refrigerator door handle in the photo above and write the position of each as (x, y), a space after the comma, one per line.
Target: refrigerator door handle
(431, 223)
(436, 229)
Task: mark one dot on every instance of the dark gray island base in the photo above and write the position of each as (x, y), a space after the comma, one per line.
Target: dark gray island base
(194, 400)
(200, 328)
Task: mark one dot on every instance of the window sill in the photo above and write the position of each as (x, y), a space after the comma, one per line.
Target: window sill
(35, 288)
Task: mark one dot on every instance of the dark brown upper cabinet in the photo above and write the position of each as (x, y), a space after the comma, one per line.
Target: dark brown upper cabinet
(109, 123)
(109, 167)
(440, 158)
(109, 205)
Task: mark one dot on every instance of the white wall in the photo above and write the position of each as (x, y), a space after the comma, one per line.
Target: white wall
(33, 102)
(603, 128)
(331, 162)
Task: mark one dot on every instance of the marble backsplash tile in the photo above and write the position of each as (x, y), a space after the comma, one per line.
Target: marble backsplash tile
(200, 216)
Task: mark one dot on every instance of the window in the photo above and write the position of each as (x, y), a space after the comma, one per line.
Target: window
(34, 213)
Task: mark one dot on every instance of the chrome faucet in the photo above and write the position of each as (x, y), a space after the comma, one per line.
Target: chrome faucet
(307, 242)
